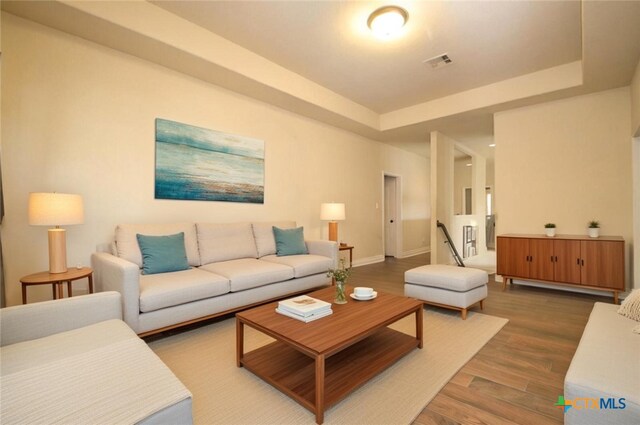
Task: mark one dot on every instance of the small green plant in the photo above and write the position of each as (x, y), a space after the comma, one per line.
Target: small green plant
(550, 226)
(594, 224)
(340, 274)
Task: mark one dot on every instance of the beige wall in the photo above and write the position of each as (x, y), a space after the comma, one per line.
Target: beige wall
(416, 209)
(566, 162)
(441, 195)
(636, 210)
(79, 118)
(635, 130)
(635, 102)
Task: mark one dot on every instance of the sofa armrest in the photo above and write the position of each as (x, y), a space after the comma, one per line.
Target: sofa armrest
(116, 274)
(325, 248)
(33, 321)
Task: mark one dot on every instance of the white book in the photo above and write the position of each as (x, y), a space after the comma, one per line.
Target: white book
(305, 314)
(306, 319)
(304, 305)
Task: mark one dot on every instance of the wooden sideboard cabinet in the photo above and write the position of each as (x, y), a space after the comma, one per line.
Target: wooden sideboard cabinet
(594, 263)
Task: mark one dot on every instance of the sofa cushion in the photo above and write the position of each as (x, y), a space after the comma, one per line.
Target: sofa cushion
(168, 289)
(606, 364)
(127, 243)
(162, 254)
(303, 265)
(263, 234)
(289, 241)
(110, 374)
(452, 278)
(222, 242)
(247, 273)
(36, 352)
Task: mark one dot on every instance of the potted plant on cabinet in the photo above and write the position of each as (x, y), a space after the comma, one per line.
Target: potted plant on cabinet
(594, 228)
(550, 229)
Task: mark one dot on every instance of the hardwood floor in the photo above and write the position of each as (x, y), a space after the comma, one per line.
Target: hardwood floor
(519, 374)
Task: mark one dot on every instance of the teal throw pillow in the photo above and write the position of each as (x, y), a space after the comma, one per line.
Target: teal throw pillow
(289, 241)
(162, 254)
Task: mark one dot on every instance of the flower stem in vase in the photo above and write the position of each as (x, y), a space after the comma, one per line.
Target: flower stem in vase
(341, 296)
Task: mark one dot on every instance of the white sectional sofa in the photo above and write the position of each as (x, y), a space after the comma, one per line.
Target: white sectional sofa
(233, 266)
(606, 366)
(75, 361)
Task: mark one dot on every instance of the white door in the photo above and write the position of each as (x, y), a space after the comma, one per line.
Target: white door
(390, 216)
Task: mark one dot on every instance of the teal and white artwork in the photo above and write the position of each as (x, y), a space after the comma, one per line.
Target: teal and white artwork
(194, 163)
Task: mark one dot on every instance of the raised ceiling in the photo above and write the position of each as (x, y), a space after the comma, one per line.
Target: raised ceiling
(328, 42)
(317, 58)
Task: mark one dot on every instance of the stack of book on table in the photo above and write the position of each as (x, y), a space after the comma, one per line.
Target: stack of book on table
(304, 308)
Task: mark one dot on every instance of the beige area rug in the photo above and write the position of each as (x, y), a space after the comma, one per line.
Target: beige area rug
(204, 360)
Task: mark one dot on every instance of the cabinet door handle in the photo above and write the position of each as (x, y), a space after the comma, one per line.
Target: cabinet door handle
(583, 262)
(556, 257)
(578, 261)
(552, 258)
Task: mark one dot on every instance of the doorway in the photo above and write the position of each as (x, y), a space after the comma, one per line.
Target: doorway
(391, 217)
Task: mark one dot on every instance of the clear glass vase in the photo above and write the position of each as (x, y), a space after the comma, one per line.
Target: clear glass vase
(341, 296)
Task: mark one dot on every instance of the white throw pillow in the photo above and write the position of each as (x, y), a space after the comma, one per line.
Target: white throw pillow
(630, 307)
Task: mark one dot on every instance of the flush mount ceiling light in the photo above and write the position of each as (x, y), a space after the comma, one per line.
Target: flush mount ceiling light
(386, 21)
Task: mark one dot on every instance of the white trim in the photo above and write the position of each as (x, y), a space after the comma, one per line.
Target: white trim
(369, 260)
(417, 251)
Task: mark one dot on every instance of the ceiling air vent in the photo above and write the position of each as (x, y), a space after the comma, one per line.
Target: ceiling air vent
(438, 61)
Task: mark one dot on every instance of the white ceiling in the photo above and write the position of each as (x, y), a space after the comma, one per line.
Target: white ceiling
(318, 59)
(329, 43)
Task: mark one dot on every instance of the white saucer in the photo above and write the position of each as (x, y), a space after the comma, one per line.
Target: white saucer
(355, 297)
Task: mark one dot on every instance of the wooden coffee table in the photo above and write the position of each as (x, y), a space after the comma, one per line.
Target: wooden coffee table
(321, 362)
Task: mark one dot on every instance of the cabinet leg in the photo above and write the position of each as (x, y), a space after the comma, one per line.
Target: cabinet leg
(615, 297)
(505, 280)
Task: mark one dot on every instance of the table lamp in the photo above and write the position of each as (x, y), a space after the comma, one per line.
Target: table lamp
(56, 209)
(332, 212)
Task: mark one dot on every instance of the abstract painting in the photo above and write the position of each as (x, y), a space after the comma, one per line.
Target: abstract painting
(194, 163)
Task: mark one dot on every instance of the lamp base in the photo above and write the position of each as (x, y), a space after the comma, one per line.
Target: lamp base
(333, 231)
(57, 250)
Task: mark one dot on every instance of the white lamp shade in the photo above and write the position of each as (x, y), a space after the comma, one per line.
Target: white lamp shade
(55, 209)
(332, 212)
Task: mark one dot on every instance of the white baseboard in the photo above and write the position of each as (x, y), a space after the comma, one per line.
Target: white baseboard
(380, 258)
(368, 260)
(414, 252)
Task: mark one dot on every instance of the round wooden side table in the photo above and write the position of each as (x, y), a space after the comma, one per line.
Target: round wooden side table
(57, 280)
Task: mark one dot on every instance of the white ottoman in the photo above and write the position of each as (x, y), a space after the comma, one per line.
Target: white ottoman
(451, 287)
